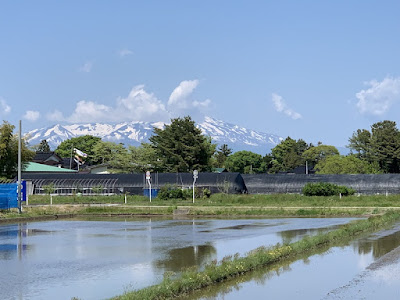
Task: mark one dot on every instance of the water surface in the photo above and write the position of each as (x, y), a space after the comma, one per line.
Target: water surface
(98, 259)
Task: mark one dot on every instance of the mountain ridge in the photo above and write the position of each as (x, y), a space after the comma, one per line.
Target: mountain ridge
(135, 132)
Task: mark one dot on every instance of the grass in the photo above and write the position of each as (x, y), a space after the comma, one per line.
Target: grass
(230, 267)
(276, 200)
(287, 205)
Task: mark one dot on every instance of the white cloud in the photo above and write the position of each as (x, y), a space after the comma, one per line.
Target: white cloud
(87, 67)
(89, 111)
(202, 104)
(5, 108)
(138, 105)
(141, 106)
(56, 116)
(281, 106)
(31, 115)
(379, 97)
(178, 97)
(124, 52)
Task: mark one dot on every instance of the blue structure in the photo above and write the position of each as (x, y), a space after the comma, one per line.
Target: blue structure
(9, 195)
(154, 193)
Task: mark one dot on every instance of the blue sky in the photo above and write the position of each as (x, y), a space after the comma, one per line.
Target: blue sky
(317, 70)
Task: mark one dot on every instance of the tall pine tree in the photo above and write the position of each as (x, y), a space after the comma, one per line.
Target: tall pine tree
(181, 147)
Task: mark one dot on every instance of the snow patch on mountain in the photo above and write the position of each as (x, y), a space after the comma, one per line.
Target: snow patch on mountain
(134, 133)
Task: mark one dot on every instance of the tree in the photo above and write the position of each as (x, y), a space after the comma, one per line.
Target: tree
(9, 151)
(287, 155)
(84, 143)
(360, 143)
(144, 158)
(43, 147)
(380, 146)
(108, 152)
(385, 141)
(313, 155)
(221, 155)
(350, 164)
(180, 147)
(246, 162)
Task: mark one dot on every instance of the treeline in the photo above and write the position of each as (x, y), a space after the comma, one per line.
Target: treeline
(181, 147)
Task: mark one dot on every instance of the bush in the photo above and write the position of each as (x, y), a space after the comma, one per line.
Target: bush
(170, 192)
(326, 189)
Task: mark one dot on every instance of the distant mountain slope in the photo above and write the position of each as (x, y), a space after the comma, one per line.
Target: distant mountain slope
(134, 133)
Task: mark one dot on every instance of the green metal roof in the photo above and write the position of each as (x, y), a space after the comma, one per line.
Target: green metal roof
(35, 167)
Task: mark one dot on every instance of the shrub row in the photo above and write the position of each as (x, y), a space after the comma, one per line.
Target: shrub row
(172, 192)
(326, 189)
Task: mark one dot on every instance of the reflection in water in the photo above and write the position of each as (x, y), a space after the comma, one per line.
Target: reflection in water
(378, 246)
(262, 281)
(98, 258)
(290, 236)
(16, 234)
(182, 258)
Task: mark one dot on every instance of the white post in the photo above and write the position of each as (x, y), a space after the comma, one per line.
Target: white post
(195, 176)
(148, 178)
(125, 198)
(306, 168)
(51, 199)
(149, 189)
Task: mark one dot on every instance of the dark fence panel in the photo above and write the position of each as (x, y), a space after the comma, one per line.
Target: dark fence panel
(294, 183)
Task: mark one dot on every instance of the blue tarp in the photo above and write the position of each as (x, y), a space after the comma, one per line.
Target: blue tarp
(9, 195)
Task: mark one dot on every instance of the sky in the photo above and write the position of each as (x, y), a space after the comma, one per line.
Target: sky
(315, 70)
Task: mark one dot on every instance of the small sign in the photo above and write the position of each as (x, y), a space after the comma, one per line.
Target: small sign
(148, 175)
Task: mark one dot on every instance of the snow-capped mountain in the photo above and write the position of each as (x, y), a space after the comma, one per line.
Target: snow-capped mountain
(134, 133)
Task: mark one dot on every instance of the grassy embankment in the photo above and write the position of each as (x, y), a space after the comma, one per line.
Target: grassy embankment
(231, 267)
(217, 204)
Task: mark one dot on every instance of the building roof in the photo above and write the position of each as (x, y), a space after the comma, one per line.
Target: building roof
(47, 156)
(41, 168)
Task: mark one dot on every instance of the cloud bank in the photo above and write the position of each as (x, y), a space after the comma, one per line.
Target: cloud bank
(4, 107)
(31, 115)
(379, 97)
(138, 105)
(281, 106)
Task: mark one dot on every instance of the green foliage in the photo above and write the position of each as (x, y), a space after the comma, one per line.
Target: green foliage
(110, 153)
(180, 147)
(287, 155)
(9, 151)
(43, 146)
(246, 162)
(206, 193)
(221, 155)
(380, 146)
(360, 143)
(385, 140)
(84, 143)
(143, 158)
(326, 189)
(313, 155)
(346, 165)
(98, 189)
(49, 188)
(168, 192)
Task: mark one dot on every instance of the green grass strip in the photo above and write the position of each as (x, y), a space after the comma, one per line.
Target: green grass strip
(230, 267)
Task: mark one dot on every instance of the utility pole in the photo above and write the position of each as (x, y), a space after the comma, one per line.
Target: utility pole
(19, 169)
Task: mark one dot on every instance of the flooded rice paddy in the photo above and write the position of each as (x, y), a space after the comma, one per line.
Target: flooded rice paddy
(98, 259)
